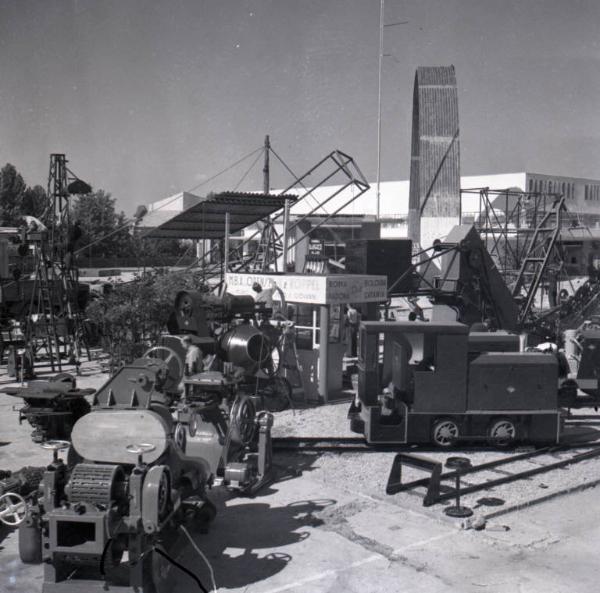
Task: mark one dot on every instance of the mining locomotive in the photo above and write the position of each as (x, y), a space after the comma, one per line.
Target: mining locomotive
(437, 383)
(158, 436)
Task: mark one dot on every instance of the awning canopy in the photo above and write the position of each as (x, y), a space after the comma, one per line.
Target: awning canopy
(206, 219)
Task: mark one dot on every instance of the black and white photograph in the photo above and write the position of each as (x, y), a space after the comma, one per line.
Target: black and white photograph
(299, 296)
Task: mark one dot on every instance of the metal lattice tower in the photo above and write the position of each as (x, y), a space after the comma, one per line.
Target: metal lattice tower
(57, 212)
(56, 276)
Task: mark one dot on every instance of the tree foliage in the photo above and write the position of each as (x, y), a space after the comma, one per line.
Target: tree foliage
(134, 314)
(98, 218)
(12, 189)
(105, 230)
(34, 201)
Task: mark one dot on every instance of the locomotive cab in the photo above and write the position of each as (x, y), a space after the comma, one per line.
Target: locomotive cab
(436, 383)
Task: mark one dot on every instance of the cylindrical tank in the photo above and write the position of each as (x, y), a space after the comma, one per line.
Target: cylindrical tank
(191, 308)
(245, 346)
(238, 304)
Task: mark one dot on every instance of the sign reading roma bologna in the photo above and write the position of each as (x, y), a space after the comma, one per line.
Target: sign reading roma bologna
(315, 289)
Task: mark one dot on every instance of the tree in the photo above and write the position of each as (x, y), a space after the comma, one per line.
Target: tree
(34, 201)
(12, 188)
(99, 220)
(132, 316)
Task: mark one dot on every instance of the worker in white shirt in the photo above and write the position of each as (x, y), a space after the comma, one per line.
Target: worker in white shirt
(193, 357)
(264, 295)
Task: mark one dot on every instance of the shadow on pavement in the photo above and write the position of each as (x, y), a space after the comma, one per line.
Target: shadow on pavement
(240, 542)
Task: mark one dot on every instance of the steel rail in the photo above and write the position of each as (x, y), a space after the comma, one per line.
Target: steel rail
(594, 452)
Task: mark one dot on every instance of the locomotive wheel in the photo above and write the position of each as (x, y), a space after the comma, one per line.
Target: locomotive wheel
(502, 432)
(444, 432)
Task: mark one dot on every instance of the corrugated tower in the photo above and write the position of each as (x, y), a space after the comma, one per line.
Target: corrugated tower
(434, 199)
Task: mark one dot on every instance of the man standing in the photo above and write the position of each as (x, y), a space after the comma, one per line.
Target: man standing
(264, 296)
(193, 357)
(352, 321)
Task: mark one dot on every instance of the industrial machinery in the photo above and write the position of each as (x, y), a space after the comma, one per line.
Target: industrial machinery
(437, 383)
(582, 350)
(234, 331)
(139, 466)
(51, 407)
(15, 489)
(468, 281)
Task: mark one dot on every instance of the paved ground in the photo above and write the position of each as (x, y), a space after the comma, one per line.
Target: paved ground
(325, 525)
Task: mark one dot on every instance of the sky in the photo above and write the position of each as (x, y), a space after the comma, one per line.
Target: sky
(151, 97)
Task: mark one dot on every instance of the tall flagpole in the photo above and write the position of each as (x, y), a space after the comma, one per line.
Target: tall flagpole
(381, 12)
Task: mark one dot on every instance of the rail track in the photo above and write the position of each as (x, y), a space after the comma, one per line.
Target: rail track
(359, 445)
(498, 471)
(545, 459)
(325, 444)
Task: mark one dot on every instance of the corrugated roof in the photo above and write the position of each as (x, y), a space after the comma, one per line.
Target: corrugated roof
(206, 219)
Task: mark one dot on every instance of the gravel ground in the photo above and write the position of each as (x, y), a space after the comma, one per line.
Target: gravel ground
(367, 473)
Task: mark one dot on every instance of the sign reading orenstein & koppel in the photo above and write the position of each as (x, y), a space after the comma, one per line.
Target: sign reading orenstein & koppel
(315, 289)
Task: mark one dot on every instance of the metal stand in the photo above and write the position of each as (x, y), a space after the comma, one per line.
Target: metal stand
(459, 464)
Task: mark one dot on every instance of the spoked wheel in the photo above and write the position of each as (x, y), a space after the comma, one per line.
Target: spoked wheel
(173, 362)
(276, 394)
(271, 364)
(13, 509)
(502, 432)
(242, 416)
(444, 432)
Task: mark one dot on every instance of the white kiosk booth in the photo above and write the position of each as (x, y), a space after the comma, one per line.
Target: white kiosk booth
(328, 293)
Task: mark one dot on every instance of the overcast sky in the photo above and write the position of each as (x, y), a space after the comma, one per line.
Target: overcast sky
(150, 97)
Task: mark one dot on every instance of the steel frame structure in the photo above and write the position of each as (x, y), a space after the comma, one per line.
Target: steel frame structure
(520, 231)
(273, 244)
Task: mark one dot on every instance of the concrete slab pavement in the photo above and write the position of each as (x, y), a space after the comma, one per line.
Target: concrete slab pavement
(332, 529)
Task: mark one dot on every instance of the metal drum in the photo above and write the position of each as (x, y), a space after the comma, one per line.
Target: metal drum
(245, 346)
